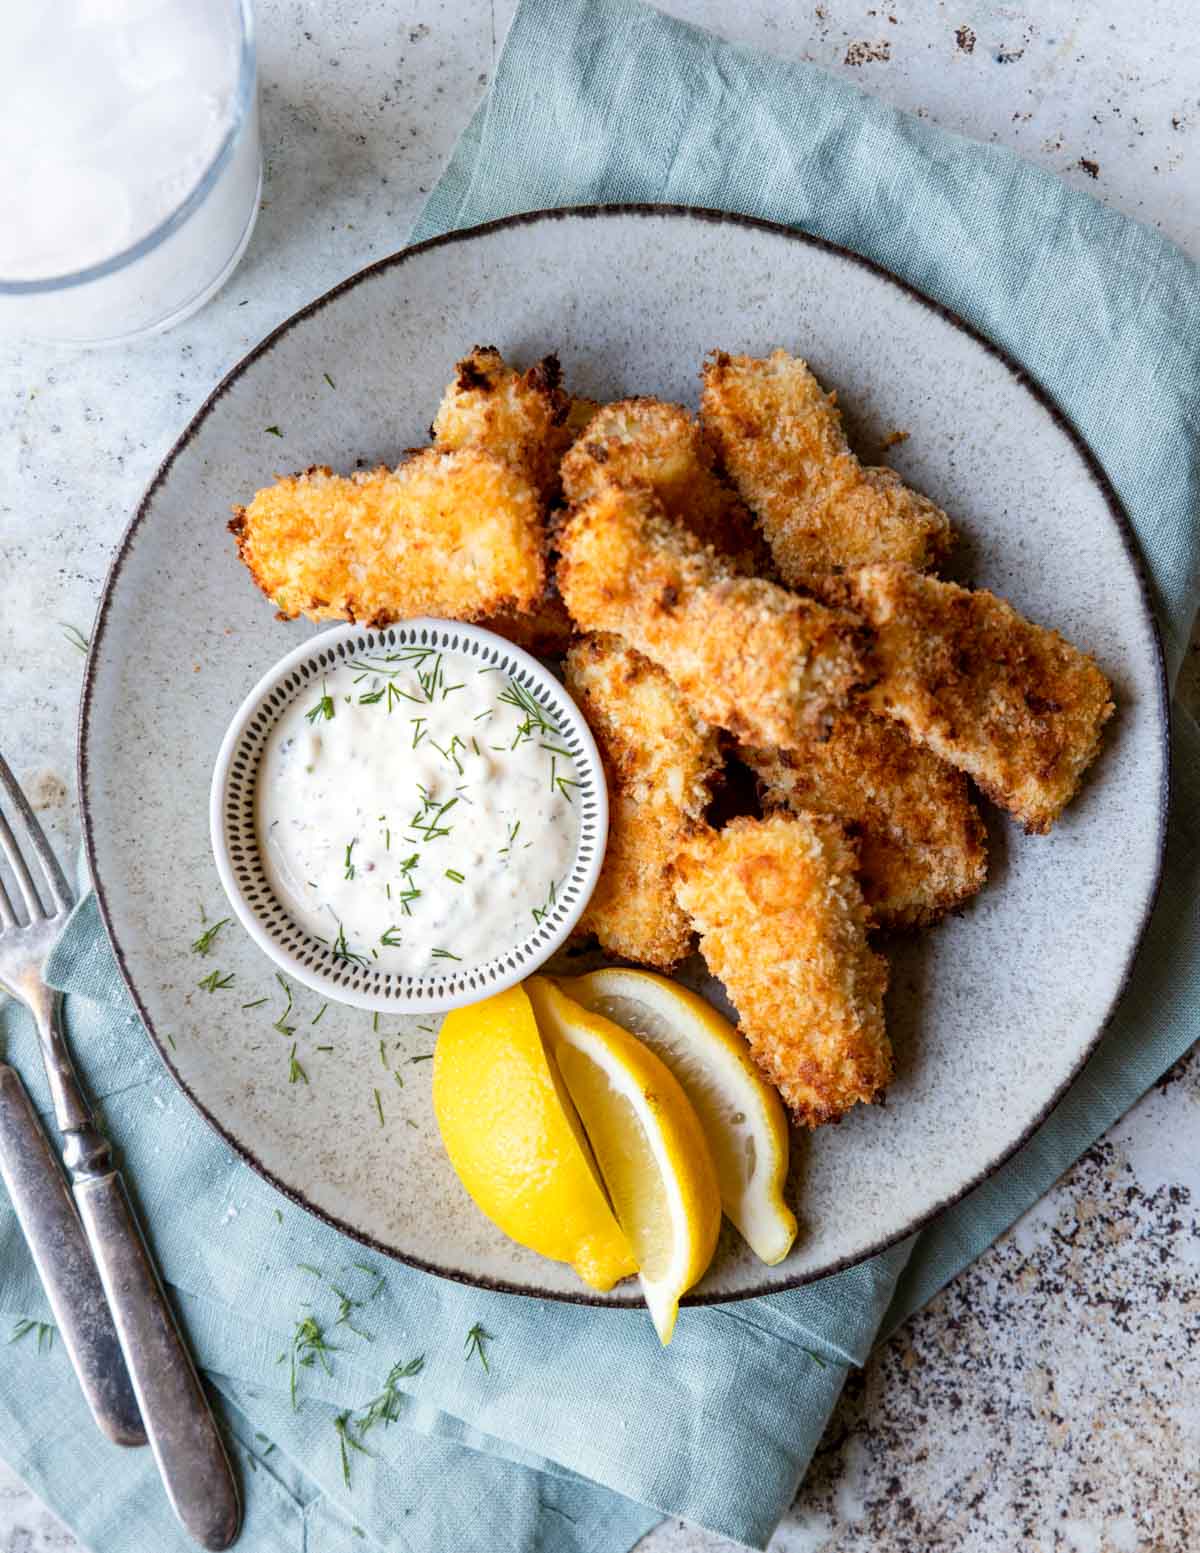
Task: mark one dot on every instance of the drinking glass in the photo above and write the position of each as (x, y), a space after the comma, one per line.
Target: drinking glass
(132, 171)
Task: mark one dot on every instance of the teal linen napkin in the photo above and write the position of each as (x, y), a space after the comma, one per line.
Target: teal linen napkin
(581, 1432)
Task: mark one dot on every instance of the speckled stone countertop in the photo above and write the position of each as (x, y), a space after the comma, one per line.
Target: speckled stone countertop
(1048, 1398)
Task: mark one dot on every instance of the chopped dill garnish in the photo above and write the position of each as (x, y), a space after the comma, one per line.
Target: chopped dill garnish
(428, 817)
(422, 1057)
(204, 943)
(281, 1024)
(45, 1333)
(348, 864)
(513, 831)
(379, 1106)
(398, 1079)
(816, 1359)
(279, 1215)
(76, 637)
(328, 379)
(215, 982)
(308, 1346)
(536, 719)
(540, 913)
(453, 874)
(444, 954)
(319, 1015)
(258, 1003)
(391, 939)
(371, 697)
(342, 951)
(272, 431)
(477, 1340)
(323, 1048)
(170, 1038)
(323, 709)
(385, 1408)
(560, 783)
(296, 1073)
(342, 1424)
(383, 1053)
(419, 733)
(487, 712)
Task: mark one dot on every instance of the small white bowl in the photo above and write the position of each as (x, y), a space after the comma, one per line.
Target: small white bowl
(235, 836)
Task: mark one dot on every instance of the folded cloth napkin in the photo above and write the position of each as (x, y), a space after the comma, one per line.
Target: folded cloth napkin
(580, 1432)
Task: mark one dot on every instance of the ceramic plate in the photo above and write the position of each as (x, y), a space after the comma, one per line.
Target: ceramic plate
(992, 1014)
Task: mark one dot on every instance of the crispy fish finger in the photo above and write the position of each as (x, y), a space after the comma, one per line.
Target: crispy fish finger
(921, 842)
(659, 759)
(644, 441)
(545, 630)
(783, 924)
(518, 416)
(453, 534)
(780, 437)
(1012, 704)
(748, 655)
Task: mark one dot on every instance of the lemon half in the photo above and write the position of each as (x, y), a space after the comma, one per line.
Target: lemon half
(647, 1141)
(515, 1141)
(742, 1115)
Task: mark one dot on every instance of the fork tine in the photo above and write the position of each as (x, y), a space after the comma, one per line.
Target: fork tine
(60, 890)
(17, 863)
(8, 917)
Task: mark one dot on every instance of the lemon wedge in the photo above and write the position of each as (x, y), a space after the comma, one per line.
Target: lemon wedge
(647, 1141)
(514, 1139)
(742, 1116)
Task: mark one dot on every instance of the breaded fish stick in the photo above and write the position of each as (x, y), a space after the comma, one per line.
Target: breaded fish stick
(748, 655)
(1012, 704)
(782, 923)
(646, 442)
(454, 534)
(545, 629)
(659, 759)
(780, 438)
(518, 416)
(922, 846)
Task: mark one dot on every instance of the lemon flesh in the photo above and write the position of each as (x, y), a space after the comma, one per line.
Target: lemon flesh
(514, 1139)
(742, 1115)
(648, 1144)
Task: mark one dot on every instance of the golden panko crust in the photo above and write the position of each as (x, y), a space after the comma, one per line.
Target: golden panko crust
(749, 656)
(545, 630)
(921, 842)
(454, 534)
(518, 416)
(659, 759)
(644, 441)
(1012, 704)
(780, 438)
(783, 924)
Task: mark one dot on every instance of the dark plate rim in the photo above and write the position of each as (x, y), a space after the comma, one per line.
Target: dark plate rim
(1092, 463)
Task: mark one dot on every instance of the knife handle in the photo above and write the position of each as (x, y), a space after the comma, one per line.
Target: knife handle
(183, 1432)
(42, 1202)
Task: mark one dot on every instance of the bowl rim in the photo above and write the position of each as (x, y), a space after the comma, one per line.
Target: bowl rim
(417, 995)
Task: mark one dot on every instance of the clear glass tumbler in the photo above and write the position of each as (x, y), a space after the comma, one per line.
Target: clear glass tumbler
(131, 173)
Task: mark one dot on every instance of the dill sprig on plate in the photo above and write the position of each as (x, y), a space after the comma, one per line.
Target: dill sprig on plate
(204, 943)
(215, 982)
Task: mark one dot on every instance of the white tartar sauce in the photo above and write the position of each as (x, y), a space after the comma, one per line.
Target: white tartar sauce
(417, 812)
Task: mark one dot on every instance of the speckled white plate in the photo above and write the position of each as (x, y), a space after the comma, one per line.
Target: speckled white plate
(992, 1014)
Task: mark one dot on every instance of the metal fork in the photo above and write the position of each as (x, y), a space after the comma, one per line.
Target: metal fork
(178, 1420)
